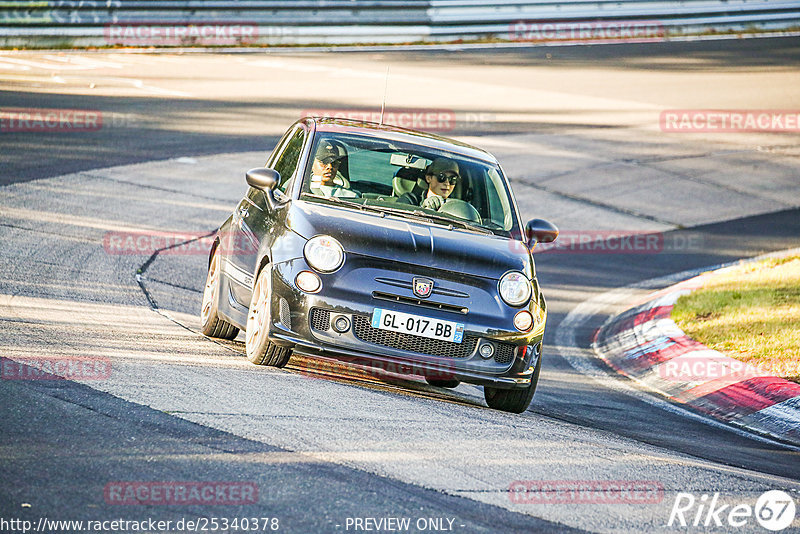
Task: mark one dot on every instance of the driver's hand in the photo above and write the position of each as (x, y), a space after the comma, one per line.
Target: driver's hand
(433, 202)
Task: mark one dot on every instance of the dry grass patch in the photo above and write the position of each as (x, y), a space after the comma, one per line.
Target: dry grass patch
(751, 313)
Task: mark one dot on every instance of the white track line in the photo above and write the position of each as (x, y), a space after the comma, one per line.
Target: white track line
(89, 63)
(46, 66)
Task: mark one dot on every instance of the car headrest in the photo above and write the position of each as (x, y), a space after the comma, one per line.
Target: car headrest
(405, 180)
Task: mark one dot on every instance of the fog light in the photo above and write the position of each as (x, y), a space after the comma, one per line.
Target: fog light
(308, 281)
(523, 321)
(486, 351)
(341, 324)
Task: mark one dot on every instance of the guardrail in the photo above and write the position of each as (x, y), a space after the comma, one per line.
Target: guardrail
(87, 23)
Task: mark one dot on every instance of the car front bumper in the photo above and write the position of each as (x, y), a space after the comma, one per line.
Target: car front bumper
(305, 321)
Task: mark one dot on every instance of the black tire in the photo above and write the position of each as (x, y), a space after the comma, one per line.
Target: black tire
(513, 400)
(442, 383)
(260, 350)
(211, 324)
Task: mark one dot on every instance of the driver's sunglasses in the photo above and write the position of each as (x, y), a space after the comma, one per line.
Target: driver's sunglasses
(330, 160)
(449, 177)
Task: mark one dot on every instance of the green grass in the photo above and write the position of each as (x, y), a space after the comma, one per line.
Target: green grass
(751, 313)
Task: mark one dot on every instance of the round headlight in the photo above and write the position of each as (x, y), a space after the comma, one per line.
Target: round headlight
(323, 253)
(523, 321)
(308, 281)
(515, 288)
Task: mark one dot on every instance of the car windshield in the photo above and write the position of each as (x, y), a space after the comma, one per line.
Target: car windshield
(399, 179)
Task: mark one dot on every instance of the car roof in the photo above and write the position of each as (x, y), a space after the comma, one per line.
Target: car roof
(396, 133)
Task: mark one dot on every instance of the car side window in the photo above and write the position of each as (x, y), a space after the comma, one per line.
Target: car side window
(286, 163)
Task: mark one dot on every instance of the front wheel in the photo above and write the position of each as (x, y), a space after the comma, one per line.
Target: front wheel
(211, 323)
(260, 350)
(513, 400)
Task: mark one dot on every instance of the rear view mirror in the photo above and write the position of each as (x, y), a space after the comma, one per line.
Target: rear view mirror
(540, 231)
(263, 178)
(266, 180)
(407, 160)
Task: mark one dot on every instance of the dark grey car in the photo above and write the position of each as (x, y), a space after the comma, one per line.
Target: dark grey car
(355, 272)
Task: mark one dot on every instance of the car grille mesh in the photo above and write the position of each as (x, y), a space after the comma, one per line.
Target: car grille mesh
(285, 315)
(398, 340)
(362, 328)
(320, 319)
(504, 353)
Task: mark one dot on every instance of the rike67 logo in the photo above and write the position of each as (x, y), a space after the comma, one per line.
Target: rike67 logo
(774, 510)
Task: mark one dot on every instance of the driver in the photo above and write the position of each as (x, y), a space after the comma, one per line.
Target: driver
(325, 177)
(442, 176)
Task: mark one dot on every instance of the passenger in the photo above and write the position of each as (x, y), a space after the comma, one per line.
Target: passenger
(325, 177)
(442, 177)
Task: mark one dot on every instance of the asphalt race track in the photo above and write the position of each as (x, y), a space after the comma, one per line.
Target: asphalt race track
(576, 128)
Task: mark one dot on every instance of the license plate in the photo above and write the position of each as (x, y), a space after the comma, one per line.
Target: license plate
(417, 325)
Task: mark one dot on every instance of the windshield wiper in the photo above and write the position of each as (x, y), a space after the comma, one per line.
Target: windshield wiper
(432, 217)
(447, 220)
(362, 207)
(336, 200)
(415, 214)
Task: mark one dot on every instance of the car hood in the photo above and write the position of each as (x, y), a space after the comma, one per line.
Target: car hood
(408, 241)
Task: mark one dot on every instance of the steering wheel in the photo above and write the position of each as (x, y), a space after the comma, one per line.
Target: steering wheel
(462, 210)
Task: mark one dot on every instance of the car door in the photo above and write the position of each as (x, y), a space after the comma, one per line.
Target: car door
(253, 218)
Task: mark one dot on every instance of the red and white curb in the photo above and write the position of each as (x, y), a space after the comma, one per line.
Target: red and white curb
(644, 344)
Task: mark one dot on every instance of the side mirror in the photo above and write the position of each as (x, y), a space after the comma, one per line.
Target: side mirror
(263, 178)
(540, 231)
(266, 180)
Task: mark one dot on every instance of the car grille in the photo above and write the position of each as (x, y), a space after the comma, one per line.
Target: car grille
(504, 353)
(397, 340)
(362, 328)
(285, 314)
(407, 284)
(320, 319)
(380, 295)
